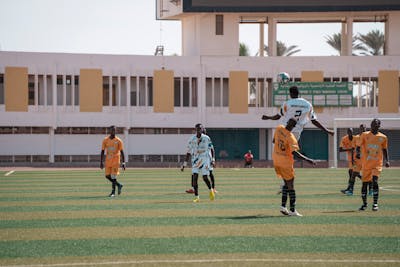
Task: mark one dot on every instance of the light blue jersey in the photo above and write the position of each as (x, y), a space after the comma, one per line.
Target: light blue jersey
(299, 109)
(199, 149)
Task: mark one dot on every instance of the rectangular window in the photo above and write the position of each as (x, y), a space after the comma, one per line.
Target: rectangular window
(177, 92)
(150, 91)
(219, 24)
(68, 88)
(186, 91)
(31, 93)
(133, 91)
(106, 94)
(1, 89)
(76, 90)
(60, 90)
(194, 92)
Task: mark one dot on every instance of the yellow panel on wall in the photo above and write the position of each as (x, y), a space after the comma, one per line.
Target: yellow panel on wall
(16, 88)
(312, 76)
(388, 84)
(238, 91)
(91, 90)
(163, 91)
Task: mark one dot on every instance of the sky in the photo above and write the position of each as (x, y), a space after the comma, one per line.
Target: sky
(130, 27)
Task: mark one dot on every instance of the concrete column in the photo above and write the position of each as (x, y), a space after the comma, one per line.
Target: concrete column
(262, 41)
(51, 145)
(270, 146)
(272, 36)
(262, 138)
(331, 151)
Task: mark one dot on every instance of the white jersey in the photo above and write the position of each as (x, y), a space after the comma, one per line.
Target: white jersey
(199, 149)
(299, 109)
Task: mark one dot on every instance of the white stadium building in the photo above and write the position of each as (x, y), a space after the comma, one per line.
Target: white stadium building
(55, 107)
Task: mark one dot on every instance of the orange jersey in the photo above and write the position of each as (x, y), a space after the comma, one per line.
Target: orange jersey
(371, 149)
(284, 144)
(112, 149)
(346, 143)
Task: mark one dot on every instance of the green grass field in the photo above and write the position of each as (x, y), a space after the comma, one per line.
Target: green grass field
(64, 218)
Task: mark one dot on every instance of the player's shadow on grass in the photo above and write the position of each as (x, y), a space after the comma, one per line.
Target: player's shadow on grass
(252, 217)
(339, 211)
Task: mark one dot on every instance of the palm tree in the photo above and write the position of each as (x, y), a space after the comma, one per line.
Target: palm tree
(373, 43)
(244, 50)
(282, 50)
(335, 41)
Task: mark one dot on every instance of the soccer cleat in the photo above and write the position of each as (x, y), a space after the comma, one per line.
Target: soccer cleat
(120, 189)
(212, 195)
(349, 192)
(295, 213)
(190, 191)
(284, 211)
(363, 207)
(196, 199)
(344, 191)
(111, 195)
(375, 207)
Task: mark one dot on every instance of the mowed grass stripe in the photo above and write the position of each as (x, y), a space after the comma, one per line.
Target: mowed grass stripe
(194, 231)
(136, 202)
(200, 220)
(187, 205)
(182, 245)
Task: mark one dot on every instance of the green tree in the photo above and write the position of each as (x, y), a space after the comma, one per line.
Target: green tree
(282, 50)
(335, 41)
(244, 50)
(373, 43)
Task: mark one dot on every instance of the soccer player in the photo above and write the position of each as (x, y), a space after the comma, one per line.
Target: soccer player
(301, 110)
(346, 145)
(248, 159)
(356, 164)
(114, 149)
(285, 146)
(199, 146)
(373, 146)
(212, 165)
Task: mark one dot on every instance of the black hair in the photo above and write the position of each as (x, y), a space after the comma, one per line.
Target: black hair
(294, 90)
(198, 125)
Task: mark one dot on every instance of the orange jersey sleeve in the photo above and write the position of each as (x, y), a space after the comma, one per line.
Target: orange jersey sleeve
(346, 143)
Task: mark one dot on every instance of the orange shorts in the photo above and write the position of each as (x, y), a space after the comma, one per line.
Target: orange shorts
(111, 170)
(284, 172)
(368, 173)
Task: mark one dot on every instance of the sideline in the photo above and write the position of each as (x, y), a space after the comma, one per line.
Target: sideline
(207, 261)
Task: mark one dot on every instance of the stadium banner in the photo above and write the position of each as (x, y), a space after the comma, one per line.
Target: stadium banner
(320, 94)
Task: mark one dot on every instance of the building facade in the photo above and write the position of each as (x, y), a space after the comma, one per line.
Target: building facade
(56, 107)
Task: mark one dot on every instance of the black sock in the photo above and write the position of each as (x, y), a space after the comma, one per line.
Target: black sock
(292, 197)
(284, 196)
(364, 192)
(376, 189)
(212, 179)
(114, 183)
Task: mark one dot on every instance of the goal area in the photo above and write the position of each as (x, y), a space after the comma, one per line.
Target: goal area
(340, 126)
